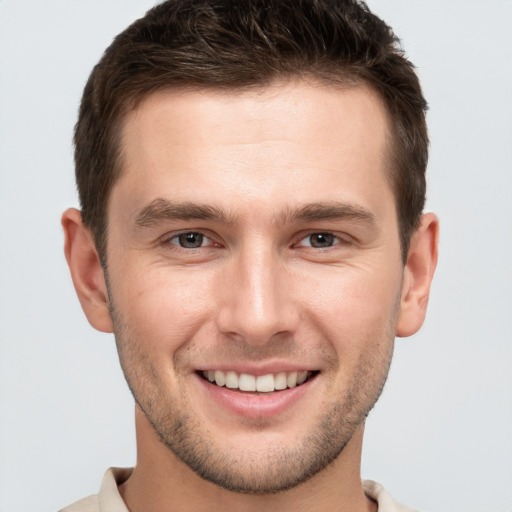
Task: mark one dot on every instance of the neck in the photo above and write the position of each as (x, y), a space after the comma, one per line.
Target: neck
(162, 482)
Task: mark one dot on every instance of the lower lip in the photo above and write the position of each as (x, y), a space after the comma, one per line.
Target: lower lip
(264, 405)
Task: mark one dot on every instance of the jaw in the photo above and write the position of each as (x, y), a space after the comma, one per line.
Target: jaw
(339, 482)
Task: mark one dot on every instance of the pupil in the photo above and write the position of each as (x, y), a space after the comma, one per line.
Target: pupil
(191, 240)
(322, 240)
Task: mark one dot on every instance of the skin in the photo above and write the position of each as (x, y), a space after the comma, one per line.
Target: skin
(257, 293)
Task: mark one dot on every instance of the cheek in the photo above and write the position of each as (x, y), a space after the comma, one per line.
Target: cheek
(162, 309)
(359, 307)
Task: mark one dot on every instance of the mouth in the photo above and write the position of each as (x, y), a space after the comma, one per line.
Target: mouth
(268, 383)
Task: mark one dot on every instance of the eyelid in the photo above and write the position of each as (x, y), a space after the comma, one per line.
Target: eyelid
(175, 239)
(168, 238)
(341, 238)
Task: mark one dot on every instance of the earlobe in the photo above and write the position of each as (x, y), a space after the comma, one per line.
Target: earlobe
(86, 271)
(418, 273)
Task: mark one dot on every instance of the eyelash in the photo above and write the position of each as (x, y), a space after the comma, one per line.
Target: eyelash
(331, 238)
(176, 237)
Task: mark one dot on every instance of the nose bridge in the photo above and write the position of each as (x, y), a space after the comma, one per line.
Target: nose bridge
(256, 305)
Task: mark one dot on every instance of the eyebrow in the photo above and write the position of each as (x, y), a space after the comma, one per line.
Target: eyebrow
(160, 210)
(329, 211)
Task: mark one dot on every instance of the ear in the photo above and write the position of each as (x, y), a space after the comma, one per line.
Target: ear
(86, 270)
(418, 274)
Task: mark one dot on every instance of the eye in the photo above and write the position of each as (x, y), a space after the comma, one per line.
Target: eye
(319, 240)
(190, 240)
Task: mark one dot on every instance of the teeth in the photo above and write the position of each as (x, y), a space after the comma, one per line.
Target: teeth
(280, 381)
(291, 381)
(301, 377)
(247, 382)
(231, 380)
(220, 378)
(263, 383)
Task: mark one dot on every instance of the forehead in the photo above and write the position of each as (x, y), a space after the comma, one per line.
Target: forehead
(288, 140)
(283, 109)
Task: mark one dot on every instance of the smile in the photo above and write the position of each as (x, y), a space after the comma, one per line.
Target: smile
(262, 383)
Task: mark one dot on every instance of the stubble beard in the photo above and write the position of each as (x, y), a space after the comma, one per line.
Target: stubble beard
(253, 472)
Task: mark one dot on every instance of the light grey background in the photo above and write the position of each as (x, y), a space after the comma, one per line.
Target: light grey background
(441, 437)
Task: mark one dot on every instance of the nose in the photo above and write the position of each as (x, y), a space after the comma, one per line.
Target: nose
(256, 303)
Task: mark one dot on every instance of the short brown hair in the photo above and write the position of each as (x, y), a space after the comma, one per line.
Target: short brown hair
(236, 44)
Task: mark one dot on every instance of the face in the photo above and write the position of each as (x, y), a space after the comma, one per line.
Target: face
(255, 275)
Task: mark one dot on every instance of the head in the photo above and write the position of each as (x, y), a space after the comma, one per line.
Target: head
(252, 181)
(227, 46)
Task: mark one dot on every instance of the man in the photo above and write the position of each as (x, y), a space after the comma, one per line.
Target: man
(252, 179)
